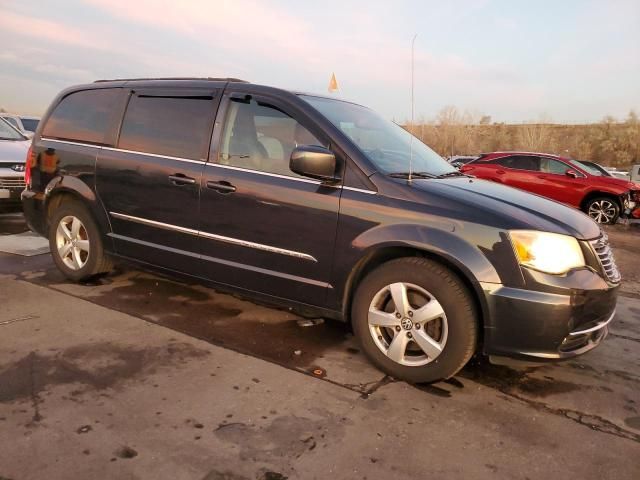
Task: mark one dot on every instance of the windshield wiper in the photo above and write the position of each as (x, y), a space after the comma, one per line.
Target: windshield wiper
(455, 173)
(413, 174)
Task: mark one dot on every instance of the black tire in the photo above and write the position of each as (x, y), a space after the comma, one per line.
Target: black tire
(95, 261)
(608, 207)
(455, 300)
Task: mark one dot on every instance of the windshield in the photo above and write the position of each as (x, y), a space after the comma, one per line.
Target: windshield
(387, 145)
(7, 132)
(591, 168)
(30, 124)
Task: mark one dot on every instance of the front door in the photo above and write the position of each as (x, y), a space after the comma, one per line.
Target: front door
(264, 228)
(150, 183)
(560, 186)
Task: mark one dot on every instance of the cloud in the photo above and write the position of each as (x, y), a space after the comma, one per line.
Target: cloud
(44, 29)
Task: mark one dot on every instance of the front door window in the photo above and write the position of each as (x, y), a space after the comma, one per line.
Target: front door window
(261, 137)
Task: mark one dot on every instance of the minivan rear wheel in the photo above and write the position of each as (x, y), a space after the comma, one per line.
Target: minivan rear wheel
(75, 242)
(415, 320)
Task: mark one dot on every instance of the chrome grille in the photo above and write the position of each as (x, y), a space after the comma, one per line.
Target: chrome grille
(605, 256)
(12, 182)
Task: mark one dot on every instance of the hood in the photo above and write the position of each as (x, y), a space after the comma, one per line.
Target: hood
(511, 208)
(616, 182)
(14, 150)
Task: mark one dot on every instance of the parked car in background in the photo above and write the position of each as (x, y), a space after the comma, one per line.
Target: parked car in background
(309, 202)
(459, 160)
(27, 125)
(13, 153)
(595, 168)
(607, 171)
(619, 174)
(568, 181)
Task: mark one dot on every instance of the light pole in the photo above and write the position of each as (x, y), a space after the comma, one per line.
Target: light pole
(413, 41)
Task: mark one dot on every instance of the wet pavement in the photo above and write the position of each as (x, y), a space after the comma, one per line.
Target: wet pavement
(596, 396)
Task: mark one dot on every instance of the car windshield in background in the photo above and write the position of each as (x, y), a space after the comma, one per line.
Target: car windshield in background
(30, 124)
(387, 145)
(7, 132)
(592, 169)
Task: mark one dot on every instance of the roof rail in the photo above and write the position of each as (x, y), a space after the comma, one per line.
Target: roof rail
(173, 78)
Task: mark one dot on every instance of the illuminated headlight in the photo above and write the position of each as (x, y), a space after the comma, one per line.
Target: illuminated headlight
(18, 167)
(547, 252)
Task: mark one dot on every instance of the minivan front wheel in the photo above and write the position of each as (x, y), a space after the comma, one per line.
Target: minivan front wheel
(415, 320)
(75, 242)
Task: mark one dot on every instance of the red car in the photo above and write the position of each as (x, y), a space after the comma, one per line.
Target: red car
(563, 179)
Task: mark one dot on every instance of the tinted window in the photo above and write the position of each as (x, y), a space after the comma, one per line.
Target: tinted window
(261, 137)
(82, 116)
(520, 162)
(30, 124)
(550, 165)
(172, 126)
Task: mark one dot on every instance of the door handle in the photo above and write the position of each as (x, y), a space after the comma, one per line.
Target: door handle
(181, 179)
(222, 186)
(500, 172)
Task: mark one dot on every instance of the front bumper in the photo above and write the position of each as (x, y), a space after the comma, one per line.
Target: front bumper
(536, 326)
(11, 185)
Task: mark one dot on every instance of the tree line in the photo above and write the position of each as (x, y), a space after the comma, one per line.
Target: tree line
(609, 142)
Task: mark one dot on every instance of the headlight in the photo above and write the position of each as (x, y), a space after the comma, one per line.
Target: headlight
(18, 167)
(547, 252)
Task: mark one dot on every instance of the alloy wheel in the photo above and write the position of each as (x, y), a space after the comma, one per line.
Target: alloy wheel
(72, 242)
(602, 211)
(407, 324)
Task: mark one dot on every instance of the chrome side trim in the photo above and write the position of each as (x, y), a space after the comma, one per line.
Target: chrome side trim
(153, 223)
(135, 152)
(597, 327)
(209, 164)
(361, 190)
(156, 155)
(258, 246)
(268, 174)
(288, 177)
(228, 263)
(212, 236)
(54, 140)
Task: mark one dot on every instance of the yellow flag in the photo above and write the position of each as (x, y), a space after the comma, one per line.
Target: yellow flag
(333, 83)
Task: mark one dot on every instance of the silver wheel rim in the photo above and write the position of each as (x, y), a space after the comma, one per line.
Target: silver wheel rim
(72, 242)
(602, 211)
(407, 324)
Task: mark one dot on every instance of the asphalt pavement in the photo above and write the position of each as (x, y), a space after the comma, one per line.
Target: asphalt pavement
(139, 376)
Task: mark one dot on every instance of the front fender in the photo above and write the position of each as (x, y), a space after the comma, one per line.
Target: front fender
(470, 257)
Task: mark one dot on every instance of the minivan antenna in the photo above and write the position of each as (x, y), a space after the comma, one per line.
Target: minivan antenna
(413, 41)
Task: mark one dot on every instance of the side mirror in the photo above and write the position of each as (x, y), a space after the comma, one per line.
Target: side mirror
(571, 173)
(314, 162)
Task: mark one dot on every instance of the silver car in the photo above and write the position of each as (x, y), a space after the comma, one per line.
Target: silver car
(27, 125)
(13, 153)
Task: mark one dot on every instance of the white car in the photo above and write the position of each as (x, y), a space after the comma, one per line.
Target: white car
(27, 125)
(13, 153)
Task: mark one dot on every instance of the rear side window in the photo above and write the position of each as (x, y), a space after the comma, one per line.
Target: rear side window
(83, 116)
(524, 162)
(171, 126)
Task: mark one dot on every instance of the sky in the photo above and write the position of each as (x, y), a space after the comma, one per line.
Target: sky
(569, 61)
